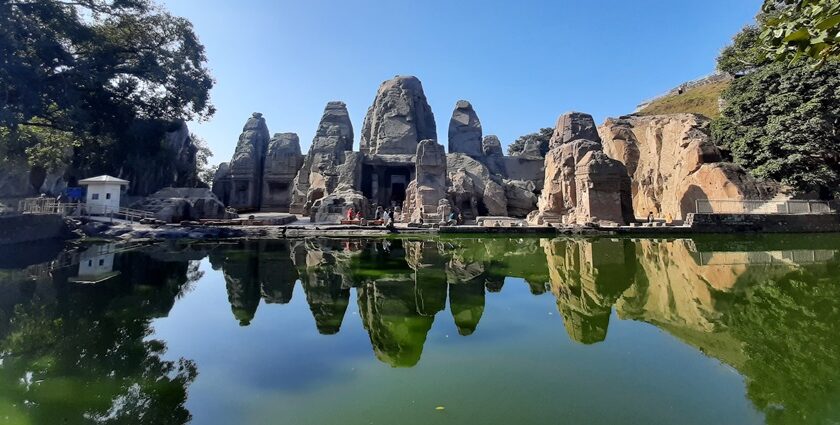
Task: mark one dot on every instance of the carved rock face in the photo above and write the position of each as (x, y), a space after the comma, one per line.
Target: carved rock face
(399, 118)
(319, 176)
(573, 126)
(582, 183)
(673, 163)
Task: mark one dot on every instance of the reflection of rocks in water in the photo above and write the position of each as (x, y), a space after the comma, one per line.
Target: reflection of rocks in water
(391, 314)
(327, 299)
(323, 268)
(255, 270)
(466, 301)
(240, 267)
(494, 283)
(587, 277)
(458, 270)
(277, 273)
(429, 275)
(380, 259)
(679, 286)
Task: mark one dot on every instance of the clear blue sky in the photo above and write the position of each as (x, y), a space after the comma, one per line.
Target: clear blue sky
(520, 63)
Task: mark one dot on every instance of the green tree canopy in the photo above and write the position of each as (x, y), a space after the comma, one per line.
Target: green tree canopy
(781, 120)
(796, 28)
(78, 71)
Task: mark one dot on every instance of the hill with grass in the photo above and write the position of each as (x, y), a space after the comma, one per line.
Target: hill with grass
(700, 97)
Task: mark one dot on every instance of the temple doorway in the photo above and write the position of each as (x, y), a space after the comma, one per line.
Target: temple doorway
(386, 184)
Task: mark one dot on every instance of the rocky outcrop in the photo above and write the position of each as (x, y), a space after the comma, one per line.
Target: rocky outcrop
(471, 189)
(587, 277)
(573, 126)
(175, 204)
(673, 163)
(318, 176)
(521, 199)
(164, 155)
(333, 207)
(582, 184)
(465, 131)
(399, 118)
(241, 185)
(493, 156)
(283, 159)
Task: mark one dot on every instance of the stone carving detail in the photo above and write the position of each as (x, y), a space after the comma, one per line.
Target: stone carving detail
(246, 167)
(673, 163)
(282, 162)
(239, 182)
(429, 187)
(319, 176)
(582, 184)
(399, 118)
(465, 131)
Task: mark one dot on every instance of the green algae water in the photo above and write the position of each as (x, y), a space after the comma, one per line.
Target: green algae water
(718, 330)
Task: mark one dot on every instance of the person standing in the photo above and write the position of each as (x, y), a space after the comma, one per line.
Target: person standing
(350, 213)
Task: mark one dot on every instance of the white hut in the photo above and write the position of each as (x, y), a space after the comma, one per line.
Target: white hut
(103, 194)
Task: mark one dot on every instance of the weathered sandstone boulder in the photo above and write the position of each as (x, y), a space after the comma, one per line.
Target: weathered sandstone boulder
(521, 199)
(573, 126)
(471, 188)
(491, 146)
(175, 204)
(333, 207)
(581, 184)
(424, 193)
(673, 163)
(282, 162)
(318, 176)
(399, 118)
(493, 156)
(465, 131)
(221, 183)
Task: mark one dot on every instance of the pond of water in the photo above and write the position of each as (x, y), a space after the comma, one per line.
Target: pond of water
(717, 330)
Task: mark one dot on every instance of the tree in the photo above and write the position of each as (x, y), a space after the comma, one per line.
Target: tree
(781, 120)
(744, 54)
(796, 28)
(204, 170)
(84, 70)
(539, 138)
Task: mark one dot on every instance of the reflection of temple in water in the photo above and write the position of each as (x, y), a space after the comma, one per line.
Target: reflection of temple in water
(754, 307)
(697, 292)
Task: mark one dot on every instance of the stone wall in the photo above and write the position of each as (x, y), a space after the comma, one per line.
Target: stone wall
(22, 228)
(764, 223)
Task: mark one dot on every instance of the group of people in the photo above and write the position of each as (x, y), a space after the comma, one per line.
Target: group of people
(387, 216)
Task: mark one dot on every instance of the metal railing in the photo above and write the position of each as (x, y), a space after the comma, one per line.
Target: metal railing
(727, 206)
(76, 209)
(49, 206)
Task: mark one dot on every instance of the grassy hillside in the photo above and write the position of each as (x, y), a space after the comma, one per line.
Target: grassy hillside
(699, 100)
